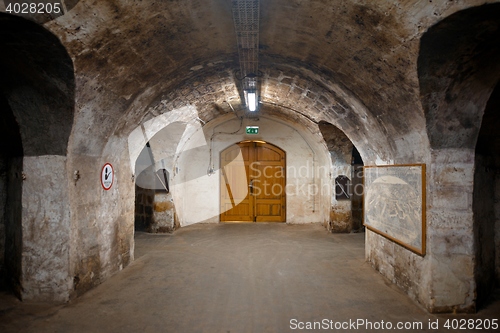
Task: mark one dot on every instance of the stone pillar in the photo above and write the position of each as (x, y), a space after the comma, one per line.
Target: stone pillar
(164, 213)
(443, 280)
(450, 232)
(45, 230)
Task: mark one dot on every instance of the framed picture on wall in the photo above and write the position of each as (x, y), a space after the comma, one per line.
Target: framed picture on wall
(394, 204)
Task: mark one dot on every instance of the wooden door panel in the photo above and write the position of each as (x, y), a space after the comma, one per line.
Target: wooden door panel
(269, 212)
(267, 153)
(240, 212)
(261, 165)
(236, 176)
(270, 174)
(236, 202)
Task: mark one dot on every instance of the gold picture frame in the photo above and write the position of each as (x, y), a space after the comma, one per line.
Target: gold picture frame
(394, 204)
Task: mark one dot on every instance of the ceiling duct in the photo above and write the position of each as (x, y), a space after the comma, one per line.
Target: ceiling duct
(246, 24)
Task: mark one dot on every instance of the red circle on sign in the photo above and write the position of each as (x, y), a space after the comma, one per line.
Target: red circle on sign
(107, 176)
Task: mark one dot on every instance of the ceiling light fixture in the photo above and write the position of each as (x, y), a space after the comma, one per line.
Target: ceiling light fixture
(252, 100)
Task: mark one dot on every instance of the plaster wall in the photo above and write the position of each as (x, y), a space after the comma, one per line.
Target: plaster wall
(102, 222)
(116, 215)
(196, 190)
(45, 230)
(164, 133)
(86, 208)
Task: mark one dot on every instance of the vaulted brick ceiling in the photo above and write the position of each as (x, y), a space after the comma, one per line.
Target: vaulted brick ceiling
(351, 63)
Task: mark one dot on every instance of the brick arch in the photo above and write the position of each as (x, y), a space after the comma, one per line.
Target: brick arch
(292, 91)
(37, 102)
(457, 70)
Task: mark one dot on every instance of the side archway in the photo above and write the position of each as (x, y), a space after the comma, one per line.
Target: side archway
(458, 69)
(347, 173)
(253, 183)
(37, 88)
(485, 201)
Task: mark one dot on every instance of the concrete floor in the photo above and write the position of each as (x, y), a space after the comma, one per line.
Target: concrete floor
(235, 278)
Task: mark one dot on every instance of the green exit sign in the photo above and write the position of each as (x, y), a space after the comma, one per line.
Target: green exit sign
(252, 129)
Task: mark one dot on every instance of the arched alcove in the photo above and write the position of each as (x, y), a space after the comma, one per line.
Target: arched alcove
(458, 69)
(347, 173)
(11, 153)
(154, 206)
(37, 89)
(486, 200)
(197, 176)
(253, 182)
(38, 82)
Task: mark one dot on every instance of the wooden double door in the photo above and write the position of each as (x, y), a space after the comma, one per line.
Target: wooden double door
(253, 183)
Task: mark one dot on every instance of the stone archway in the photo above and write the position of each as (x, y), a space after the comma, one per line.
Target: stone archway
(458, 69)
(253, 183)
(485, 201)
(347, 171)
(37, 94)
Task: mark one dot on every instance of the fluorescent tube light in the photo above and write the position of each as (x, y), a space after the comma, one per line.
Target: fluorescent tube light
(252, 101)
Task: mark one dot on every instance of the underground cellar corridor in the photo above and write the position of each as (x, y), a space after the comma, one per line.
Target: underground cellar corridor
(139, 137)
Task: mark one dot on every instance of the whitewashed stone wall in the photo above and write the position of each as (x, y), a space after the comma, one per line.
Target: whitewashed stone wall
(308, 182)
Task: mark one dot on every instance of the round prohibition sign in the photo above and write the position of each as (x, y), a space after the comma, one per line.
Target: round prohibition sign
(107, 176)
